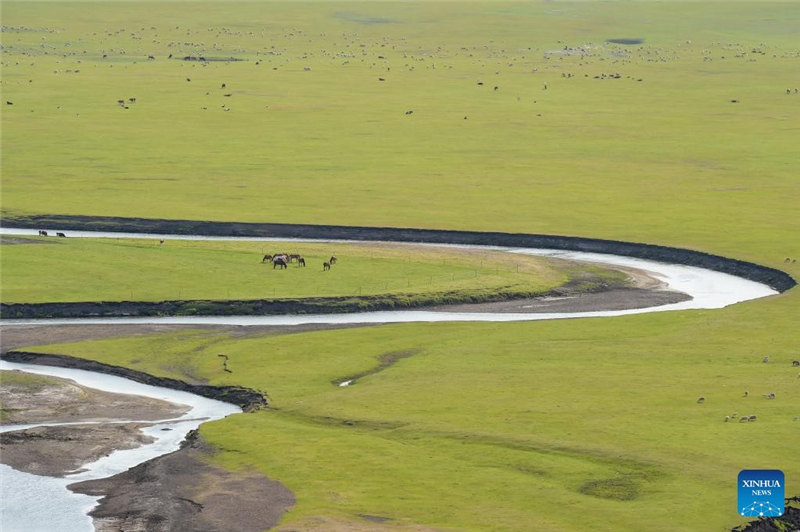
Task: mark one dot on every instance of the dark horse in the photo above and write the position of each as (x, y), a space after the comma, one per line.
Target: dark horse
(326, 266)
(301, 262)
(333, 260)
(44, 233)
(267, 258)
(279, 261)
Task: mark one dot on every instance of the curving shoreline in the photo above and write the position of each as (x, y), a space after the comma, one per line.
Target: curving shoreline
(245, 398)
(774, 278)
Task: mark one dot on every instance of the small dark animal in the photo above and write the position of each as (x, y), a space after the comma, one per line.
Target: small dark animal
(62, 235)
(326, 266)
(267, 258)
(294, 257)
(42, 233)
(301, 262)
(151, 57)
(795, 363)
(279, 262)
(222, 86)
(160, 242)
(9, 103)
(132, 100)
(188, 79)
(734, 101)
(333, 260)
(409, 112)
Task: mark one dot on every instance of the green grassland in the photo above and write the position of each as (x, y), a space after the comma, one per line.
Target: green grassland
(567, 425)
(77, 269)
(333, 144)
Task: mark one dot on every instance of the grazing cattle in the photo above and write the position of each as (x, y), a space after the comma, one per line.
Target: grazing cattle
(301, 262)
(42, 233)
(279, 262)
(765, 359)
(752, 418)
(744, 419)
(701, 400)
(333, 260)
(132, 100)
(326, 266)
(267, 258)
(9, 102)
(795, 363)
(409, 112)
(151, 57)
(62, 235)
(770, 395)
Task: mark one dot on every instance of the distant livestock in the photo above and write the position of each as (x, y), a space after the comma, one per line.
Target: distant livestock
(301, 262)
(42, 233)
(279, 262)
(701, 400)
(333, 260)
(62, 235)
(326, 266)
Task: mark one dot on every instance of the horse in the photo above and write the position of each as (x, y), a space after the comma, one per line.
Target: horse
(267, 258)
(42, 233)
(279, 261)
(326, 266)
(294, 257)
(333, 260)
(62, 235)
(301, 262)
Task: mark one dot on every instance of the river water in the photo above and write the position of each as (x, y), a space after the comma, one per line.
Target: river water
(25, 496)
(32, 503)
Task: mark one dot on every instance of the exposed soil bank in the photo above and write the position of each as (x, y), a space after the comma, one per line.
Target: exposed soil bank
(182, 491)
(245, 398)
(776, 279)
(54, 451)
(53, 399)
(309, 305)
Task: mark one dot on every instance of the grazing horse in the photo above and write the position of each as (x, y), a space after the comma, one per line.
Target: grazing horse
(301, 262)
(294, 257)
(267, 258)
(279, 261)
(44, 233)
(333, 260)
(62, 235)
(326, 266)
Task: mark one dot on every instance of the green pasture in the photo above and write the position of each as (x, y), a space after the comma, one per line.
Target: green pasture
(566, 425)
(46, 269)
(563, 425)
(313, 136)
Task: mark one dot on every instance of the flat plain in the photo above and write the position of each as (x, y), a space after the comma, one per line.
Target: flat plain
(517, 117)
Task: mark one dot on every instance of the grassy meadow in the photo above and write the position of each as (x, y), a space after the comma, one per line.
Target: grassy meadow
(525, 119)
(44, 269)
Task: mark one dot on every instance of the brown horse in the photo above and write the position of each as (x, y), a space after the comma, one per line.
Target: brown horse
(333, 260)
(294, 257)
(301, 262)
(326, 266)
(267, 258)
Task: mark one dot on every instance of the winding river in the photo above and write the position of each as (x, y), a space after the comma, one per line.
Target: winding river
(25, 496)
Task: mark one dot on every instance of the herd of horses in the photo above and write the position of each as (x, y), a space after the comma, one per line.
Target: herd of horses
(282, 260)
